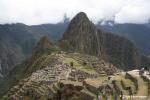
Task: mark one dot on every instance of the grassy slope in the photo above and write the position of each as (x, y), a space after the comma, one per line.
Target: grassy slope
(79, 66)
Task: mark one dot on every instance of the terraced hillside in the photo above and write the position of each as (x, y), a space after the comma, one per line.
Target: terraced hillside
(80, 77)
(72, 68)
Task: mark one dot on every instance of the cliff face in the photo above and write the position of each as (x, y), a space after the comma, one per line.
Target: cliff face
(82, 36)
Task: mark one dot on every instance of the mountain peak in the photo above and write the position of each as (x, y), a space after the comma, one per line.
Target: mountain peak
(80, 24)
(81, 16)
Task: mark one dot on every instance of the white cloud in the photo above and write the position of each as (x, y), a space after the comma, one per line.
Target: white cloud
(137, 11)
(52, 11)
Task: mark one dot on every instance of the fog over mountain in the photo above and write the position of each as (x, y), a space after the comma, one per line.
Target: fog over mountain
(33, 12)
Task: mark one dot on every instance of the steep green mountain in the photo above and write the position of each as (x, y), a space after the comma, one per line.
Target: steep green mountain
(76, 37)
(18, 40)
(137, 33)
(83, 36)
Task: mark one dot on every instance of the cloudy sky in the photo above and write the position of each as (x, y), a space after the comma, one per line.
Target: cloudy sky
(33, 12)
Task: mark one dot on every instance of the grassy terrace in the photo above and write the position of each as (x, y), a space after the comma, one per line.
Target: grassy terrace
(142, 86)
(118, 79)
(96, 81)
(75, 83)
(79, 66)
(125, 82)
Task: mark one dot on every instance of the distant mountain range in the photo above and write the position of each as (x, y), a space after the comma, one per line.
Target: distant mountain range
(139, 34)
(18, 40)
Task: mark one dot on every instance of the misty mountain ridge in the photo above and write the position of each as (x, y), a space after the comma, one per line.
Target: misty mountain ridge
(23, 38)
(137, 33)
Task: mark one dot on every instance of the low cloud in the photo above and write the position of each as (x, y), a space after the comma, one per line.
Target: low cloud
(33, 12)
